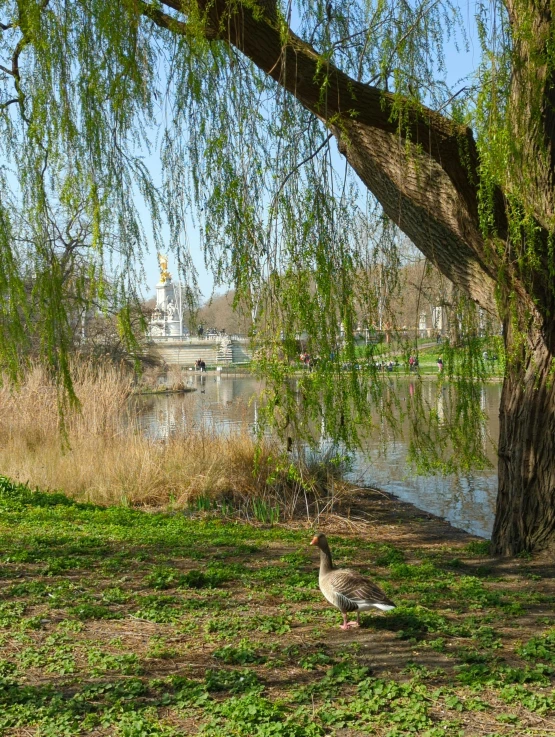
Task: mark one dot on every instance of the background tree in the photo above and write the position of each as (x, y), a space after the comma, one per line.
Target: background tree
(221, 312)
(55, 265)
(248, 108)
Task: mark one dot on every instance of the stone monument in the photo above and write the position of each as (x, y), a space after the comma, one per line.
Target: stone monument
(167, 318)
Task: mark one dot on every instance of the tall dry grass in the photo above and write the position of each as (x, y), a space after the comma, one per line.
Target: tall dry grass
(109, 460)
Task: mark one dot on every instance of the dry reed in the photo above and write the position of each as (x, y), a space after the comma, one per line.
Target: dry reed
(109, 460)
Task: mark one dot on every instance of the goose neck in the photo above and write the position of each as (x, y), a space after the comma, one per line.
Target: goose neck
(326, 563)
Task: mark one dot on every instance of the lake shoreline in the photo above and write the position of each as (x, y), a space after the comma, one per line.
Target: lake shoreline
(369, 508)
(381, 507)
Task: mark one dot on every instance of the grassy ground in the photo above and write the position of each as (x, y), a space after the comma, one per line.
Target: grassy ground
(120, 622)
(491, 366)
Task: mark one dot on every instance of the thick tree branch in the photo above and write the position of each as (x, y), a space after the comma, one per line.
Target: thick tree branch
(423, 170)
(307, 75)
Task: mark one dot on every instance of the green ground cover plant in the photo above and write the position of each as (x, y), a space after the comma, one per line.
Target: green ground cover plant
(115, 621)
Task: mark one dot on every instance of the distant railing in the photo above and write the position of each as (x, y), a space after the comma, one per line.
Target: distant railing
(207, 337)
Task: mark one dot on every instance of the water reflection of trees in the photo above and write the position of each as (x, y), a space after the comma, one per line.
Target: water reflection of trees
(387, 437)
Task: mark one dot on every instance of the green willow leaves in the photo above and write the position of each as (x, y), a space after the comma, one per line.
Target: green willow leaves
(95, 96)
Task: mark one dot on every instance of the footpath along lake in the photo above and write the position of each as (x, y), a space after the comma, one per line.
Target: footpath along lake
(226, 403)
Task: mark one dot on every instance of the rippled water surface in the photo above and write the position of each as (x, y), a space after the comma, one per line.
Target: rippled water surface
(228, 402)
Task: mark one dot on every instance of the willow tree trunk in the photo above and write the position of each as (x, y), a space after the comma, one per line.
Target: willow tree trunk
(525, 512)
(425, 172)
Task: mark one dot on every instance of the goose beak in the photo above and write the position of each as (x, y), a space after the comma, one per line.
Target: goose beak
(314, 540)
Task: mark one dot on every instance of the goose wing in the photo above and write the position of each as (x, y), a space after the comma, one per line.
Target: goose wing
(356, 591)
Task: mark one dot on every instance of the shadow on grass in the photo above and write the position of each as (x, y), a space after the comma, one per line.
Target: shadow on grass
(406, 625)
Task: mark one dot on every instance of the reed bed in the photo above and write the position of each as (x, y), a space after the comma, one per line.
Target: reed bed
(106, 459)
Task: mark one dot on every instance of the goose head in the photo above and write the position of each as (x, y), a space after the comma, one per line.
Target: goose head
(320, 541)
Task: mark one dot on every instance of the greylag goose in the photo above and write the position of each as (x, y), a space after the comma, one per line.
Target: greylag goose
(347, 590)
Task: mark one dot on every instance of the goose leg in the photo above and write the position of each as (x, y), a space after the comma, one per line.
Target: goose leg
(347, 625)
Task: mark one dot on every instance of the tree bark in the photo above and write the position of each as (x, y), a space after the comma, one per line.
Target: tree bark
(425, 174)
(525, 512)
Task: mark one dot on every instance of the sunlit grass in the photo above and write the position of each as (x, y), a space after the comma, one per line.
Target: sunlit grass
(134, 624)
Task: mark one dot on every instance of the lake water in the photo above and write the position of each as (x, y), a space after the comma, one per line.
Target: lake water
(228, 402)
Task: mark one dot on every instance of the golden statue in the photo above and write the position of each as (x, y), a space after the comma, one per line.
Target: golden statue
(164, 273)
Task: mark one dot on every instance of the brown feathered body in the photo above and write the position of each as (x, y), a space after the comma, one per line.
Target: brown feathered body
(347, 590)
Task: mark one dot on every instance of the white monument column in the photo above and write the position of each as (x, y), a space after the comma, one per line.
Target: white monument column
(166, 318)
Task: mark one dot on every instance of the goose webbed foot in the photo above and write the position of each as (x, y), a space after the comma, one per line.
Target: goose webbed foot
(349, 625)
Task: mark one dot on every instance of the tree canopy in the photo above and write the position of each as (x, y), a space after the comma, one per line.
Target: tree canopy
(252, 104)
